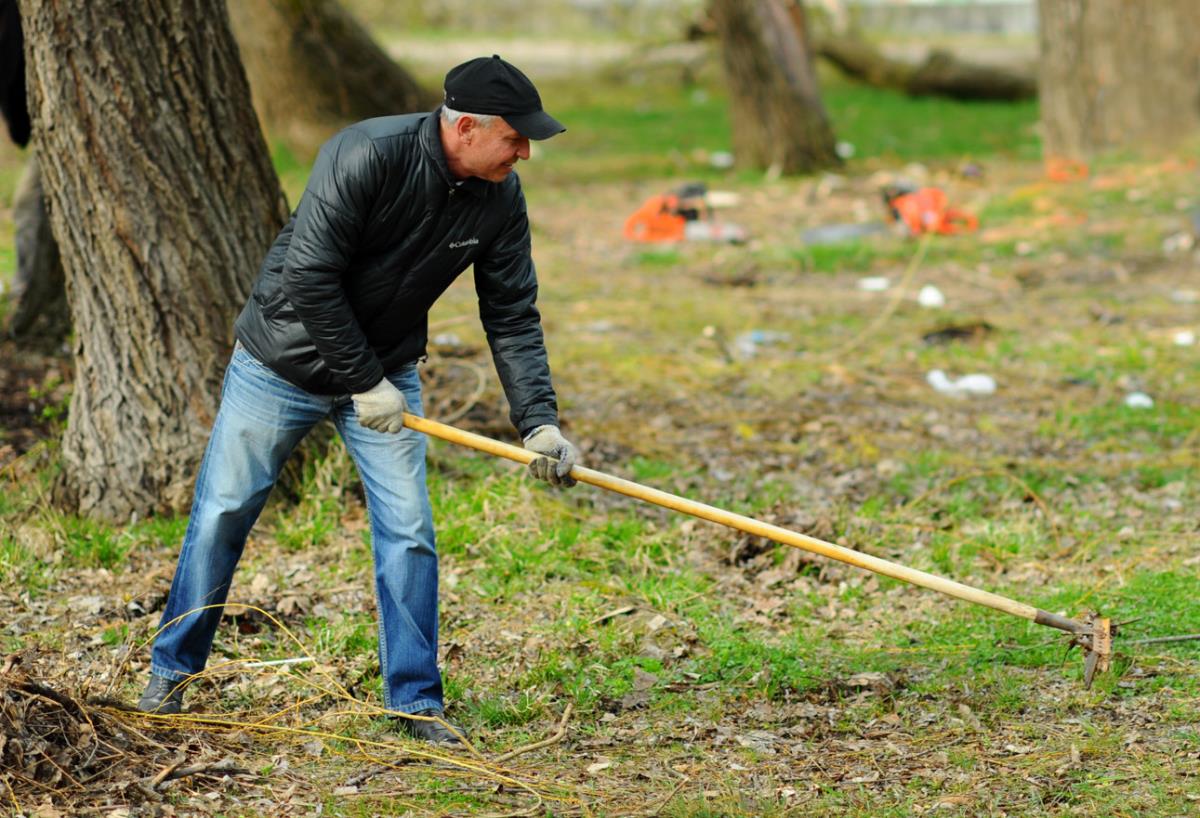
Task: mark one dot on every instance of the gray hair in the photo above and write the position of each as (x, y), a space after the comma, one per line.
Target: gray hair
(450, 116)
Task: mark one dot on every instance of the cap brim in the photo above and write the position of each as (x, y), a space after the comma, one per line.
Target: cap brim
(537, 125)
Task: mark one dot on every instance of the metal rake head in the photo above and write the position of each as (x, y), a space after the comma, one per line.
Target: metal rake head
(1095, 638)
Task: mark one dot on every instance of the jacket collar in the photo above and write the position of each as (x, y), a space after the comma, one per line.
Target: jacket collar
(431, 143)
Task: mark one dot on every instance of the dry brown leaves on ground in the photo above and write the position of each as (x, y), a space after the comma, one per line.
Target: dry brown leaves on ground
(59, 756)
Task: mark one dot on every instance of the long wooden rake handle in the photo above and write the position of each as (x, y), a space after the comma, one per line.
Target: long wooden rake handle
(753, 526)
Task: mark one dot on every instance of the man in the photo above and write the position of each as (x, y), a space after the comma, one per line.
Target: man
(12, 73)
(38, 299)
(395, 209)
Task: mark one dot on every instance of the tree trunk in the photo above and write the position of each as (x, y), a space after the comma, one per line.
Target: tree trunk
(163, 201)
(941, 74)
(39, 314)
(778, 119)
(314, 68)
(1116, 73)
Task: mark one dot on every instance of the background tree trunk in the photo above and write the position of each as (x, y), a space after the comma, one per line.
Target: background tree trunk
(1116, 73)
(39, 315)
(776, 111)
(940, 74)
(163, 200)
(314, 68)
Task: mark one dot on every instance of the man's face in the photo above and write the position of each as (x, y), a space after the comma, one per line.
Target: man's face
(492, 152)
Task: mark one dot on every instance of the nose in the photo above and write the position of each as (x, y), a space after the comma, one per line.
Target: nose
(523, 149)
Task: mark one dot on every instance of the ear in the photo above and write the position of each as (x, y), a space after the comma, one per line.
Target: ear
(464, 126)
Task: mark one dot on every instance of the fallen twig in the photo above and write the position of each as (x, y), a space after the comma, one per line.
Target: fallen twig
(146, 790)
(654, 812)
(226, 766)
(1187, 637)
(166, 771)
(480, 387)
(53, 696)
(604, 617)
(554, 739)
(355, 780)
(536, 809)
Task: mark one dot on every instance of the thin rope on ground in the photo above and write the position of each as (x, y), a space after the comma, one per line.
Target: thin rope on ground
(328, 687)
(894, 302)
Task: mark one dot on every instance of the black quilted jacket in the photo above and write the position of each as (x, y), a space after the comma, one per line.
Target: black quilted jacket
(380, 233)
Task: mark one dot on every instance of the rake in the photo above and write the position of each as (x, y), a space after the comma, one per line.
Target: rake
(1093, 634)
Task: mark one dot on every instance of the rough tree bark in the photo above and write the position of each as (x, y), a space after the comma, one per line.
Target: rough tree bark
(314, 68)
(776, 111)
(163, 200)
(1116, 73)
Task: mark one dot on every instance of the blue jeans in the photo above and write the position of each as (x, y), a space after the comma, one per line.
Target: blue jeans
(261, 420)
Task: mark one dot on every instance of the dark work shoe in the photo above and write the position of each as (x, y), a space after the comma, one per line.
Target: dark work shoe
(427, 729)
(162, 696)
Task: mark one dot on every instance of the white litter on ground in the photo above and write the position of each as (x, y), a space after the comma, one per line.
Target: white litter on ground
(747, 345)
(722, 198)
(931, 297)
(874, 284)
(1178, 243)
(973, 384)
(722, 160)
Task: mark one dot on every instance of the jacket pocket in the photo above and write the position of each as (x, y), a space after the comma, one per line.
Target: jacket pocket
(271, 305)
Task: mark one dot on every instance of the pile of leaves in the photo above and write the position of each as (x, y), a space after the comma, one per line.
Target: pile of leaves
(59, 756)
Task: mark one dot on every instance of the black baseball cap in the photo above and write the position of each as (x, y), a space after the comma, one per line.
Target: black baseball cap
(489, 85)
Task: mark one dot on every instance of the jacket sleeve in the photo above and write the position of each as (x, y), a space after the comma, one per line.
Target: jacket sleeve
(330, 222)
(506, 283)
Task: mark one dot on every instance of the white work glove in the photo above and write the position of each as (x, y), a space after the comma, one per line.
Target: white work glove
(381, 407)
(548, 440)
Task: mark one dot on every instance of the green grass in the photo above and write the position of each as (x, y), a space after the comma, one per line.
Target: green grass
(292, 170)
(1116, 427)
(8, 259)
(350, 635)
(646, 470)
(1155, 476)
(12, 166)
(1164, 601)
(895, 254)
(512, 710)
(22, 569)
(324, 487)
(657, 258)
(1005, 208)
(889, 125)
(94, 544)
(663, 127)
(8, 269)
(860, 255)
(39, 543)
